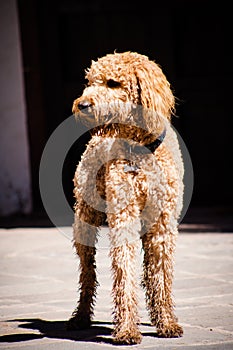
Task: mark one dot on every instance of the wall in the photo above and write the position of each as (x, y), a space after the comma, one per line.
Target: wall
(15, 193)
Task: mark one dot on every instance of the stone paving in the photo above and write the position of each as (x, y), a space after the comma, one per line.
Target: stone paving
(38, 290)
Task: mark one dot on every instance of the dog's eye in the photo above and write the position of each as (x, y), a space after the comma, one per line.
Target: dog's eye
(113, 83)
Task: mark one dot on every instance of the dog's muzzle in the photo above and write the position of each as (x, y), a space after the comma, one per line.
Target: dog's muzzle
(83, 109)
(85, 106)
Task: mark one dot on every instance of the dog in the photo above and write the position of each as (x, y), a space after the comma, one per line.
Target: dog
(130, 175)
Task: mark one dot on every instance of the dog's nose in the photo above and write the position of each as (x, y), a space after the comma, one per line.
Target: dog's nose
(84, 104)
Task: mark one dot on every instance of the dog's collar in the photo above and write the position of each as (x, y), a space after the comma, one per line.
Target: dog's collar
(142, 149)
(133, 168)
(155, 144)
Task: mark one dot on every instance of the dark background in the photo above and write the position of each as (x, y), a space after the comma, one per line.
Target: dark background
(191, 40)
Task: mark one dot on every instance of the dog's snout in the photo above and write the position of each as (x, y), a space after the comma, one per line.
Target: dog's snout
(84, 104)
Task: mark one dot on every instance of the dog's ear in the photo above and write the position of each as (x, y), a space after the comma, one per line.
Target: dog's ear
(154, 90)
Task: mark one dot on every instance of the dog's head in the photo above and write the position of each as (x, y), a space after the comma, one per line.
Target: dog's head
(118, 82)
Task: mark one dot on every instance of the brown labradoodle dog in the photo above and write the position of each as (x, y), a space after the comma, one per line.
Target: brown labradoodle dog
(130, 175)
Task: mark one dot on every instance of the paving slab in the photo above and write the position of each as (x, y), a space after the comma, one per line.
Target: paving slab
(38, 292)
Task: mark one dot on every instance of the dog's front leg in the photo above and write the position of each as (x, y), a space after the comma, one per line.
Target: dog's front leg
(126, 318)
(159, 245)
(124, 226)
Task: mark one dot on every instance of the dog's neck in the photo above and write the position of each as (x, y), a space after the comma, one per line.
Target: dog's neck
(130, 133)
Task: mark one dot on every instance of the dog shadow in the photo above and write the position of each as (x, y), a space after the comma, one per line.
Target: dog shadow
(99, 332)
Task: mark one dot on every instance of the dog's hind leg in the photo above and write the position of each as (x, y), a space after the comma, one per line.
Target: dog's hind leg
(85, 236)
(159, 244)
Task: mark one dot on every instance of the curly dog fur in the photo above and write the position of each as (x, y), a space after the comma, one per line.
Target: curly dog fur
(139, 195)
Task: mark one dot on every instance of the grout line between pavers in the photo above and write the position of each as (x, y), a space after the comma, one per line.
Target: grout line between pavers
(214, 329)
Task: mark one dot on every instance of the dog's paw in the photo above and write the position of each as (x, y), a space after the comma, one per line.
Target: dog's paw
(127, 337)
(78, 323)
(173, 330)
